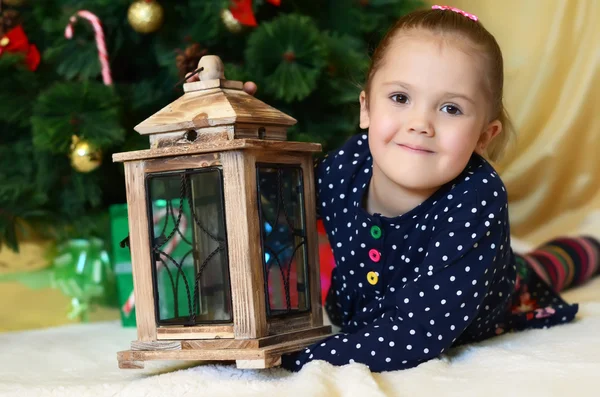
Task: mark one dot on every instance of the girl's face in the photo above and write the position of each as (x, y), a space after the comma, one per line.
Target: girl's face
(426, 112)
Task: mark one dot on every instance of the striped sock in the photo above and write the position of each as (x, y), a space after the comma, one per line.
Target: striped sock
(565, 262)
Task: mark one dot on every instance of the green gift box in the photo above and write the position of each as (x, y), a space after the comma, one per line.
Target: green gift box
(175, 288)
(121, 260)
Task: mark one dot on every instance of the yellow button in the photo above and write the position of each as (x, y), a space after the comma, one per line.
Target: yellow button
(372, 278)
(4, 41)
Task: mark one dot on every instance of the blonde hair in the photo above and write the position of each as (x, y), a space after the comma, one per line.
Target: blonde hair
(482, 41)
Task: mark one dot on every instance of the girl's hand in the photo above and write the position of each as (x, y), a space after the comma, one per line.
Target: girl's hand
(250, 87)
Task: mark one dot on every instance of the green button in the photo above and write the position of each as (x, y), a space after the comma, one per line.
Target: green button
(375, 232)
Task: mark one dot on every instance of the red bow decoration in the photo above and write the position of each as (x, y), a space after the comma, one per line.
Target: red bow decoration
(16, 41)
(242, 11)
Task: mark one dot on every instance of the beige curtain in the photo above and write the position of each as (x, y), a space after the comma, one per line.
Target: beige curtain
(552, 89)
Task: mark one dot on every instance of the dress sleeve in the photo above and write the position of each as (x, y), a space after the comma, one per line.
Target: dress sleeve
(332, 304)
(420, 319)
(320, 174)
(338, 164)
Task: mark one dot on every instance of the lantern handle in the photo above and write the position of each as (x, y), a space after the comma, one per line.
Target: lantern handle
(187, 76)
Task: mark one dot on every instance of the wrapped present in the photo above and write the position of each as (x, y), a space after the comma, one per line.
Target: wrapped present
(326, 259)
(175, 282)
(81, 270)
(121, 261)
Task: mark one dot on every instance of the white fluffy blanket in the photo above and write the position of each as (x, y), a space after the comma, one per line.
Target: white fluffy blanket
(81, 360)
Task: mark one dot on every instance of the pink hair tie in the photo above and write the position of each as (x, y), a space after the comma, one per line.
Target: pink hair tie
(456, 10)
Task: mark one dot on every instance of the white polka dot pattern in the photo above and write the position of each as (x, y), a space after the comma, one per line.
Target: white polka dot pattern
(445, 271)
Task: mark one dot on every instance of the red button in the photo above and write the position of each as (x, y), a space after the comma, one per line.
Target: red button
(374, 255)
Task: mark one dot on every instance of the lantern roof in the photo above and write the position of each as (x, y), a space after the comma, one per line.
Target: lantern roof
(212, 105)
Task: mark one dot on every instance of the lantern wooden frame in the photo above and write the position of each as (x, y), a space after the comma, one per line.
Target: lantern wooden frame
(234, 131)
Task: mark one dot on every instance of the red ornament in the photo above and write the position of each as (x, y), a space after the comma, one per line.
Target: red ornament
(15, 41)
(289, 56)
(242, 11)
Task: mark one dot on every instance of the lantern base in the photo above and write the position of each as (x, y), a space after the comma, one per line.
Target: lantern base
(247, 353)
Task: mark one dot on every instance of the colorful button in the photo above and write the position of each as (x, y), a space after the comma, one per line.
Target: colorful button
(375, 232)
(374, 255)
(372, 278)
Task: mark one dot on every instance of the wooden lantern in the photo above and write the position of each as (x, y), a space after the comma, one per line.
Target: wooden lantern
(222, 229)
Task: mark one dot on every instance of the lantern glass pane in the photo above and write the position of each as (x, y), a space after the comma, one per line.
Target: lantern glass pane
(283, 238)
(189, 247)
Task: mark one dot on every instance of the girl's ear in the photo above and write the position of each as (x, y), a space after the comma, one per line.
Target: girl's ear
(364, 111)
(491, 131)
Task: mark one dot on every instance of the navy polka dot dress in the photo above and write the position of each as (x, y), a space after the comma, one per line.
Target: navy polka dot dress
(406, 289)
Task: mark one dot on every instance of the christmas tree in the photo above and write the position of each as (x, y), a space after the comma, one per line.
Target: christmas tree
(66, 104)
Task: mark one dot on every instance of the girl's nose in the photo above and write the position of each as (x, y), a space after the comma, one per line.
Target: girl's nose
(421, 124)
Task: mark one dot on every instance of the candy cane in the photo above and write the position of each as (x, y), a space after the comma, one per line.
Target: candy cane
(100, 43)
(169, 248)
(129, 304)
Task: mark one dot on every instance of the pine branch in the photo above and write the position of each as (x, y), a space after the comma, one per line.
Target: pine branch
(287, 56)
(88, 110)
(16, 92)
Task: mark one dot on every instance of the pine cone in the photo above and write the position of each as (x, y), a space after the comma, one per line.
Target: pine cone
(187, 61)
(8, 20)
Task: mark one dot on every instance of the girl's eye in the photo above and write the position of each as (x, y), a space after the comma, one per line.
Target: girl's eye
(399, 98)
(451, 109)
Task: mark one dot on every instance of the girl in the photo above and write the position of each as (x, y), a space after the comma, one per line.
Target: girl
(418, 218)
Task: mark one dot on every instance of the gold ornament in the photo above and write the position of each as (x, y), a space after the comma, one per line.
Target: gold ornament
(84, 157)
(145, 16)
(232, 24)
(14, 3)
